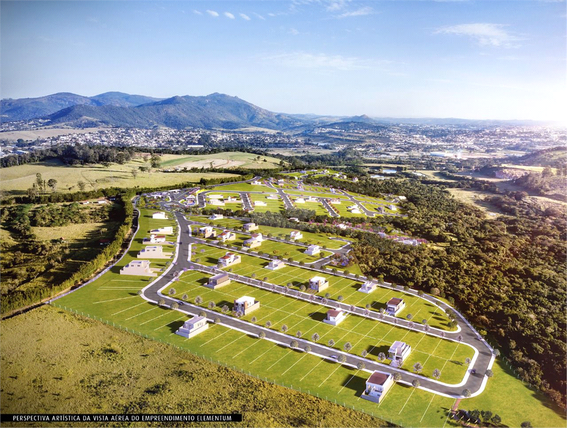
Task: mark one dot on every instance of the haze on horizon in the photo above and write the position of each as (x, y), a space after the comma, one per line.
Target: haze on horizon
(466, 59)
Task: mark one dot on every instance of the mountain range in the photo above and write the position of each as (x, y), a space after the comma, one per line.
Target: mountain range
(214, 111)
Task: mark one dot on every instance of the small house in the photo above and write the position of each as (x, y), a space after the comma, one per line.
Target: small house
(227, 235)
(207, 232)
(216, 202)
(334, 316)
(168, 230)
(245, 305)
(299, 200)
(393, 207)
(260, 204)
(229, 259)
(275, 265)
(272, 196)
(193, 327)
(335, 201)
(295, 234)
(377, 385)
(216, 217)
(256, 183)
(398, 352)
(249, 227)
(218, 281)
(313, 250)
(318, 283)
(232, 199)
(155, 239)
(368, 287)
(159, 215)
(395, 305)
(153, 252)
(311, 199)
(138, 267)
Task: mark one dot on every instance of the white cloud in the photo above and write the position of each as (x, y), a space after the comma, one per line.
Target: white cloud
(336, 5)
(213, 13)
(320, 61)
(293, 31)
(363, 11)
(259, 16)
(244, 16)
(229, 15)
(196, 12)
(485, 34)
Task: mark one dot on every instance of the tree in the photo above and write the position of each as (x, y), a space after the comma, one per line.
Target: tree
(526, 424)
(52, 183)
(161, 302)
(436, 373)
(298, 334)
(202, 314)
(307, 348)
(327, 295)
(198, 300)
(341, 359)
(468, 361)
(364, 353)
(409, 317)
(39, 181)
(347, 346)
(268, 324)
(262, 335)
(489, 373)
(225, 309)
(254, 319)
(466, 393)
(81, 185)
(315, 337)
(175, 305)
(331, 343)
(397, 377)
(381, 356)
(293, 344)
(171, 291)
(496, 420)
(415, 383)
(284, 328)
(340, 298)
(211, 305)
(185, 297)
(417, 367)
(217, 320)
(155, 161)
(134, 172)
(361, 366)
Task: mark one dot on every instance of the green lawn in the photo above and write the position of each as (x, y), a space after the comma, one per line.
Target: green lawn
(244, 187)
(272, 205)
(347, 288)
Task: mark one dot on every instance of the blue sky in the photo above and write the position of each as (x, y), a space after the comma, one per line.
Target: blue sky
(471, 59)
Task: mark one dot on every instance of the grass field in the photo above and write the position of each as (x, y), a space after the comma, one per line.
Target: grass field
(221, 160)
(363, 334)
(272, 205)
(244, 187)
(347, 288)
(78, 365)
(117, 302)
(17, 179)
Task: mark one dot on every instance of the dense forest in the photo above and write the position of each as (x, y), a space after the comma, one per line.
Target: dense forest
(507, 275)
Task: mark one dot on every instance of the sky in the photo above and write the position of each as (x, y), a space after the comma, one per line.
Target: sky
(484, 59)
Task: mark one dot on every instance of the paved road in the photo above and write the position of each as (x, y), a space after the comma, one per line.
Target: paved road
(362, 207)
(246, 202)
(468, 335)
(332, 212)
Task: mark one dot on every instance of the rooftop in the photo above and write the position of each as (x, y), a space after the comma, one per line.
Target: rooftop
(378, 378)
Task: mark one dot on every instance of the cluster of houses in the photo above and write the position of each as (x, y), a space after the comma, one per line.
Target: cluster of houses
(157, 236)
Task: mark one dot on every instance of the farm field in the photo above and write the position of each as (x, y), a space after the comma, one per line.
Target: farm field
(243, 187)
(221, 160)
(99, 370)
(118, 303)
(347, 288)
(17, 179)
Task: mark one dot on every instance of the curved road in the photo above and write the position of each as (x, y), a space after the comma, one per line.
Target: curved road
(473, 382)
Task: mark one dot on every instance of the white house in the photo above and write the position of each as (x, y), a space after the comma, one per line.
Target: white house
(342, 226)
(368, 287)
(159, 215)
(215, 196)
(138, 267)
(193, 327)
(272, 196)
(275, 265)
(311, 199)
(256, 183)
(313, 250)
(232, 199)
(227, 235)
(398, 352)
(299, 200)
(318, 283)
(355, 210)
(207, 232)
(229, 259)
(155, 239)
(216, 202)
(216, 217)
(249, 227)
(393, 207)
(167, 230)
(335, 201)
(153, 252)
(395, 305)
(334, 316)
(377, 385)
(260, 204)
(295, 234)
(245, 305)
(254, 241)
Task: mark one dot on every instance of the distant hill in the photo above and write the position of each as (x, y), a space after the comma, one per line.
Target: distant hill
(32, 108)
(555, 157)
(211, 111)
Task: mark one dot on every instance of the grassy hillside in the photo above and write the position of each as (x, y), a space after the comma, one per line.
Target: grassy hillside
(220, 160)
(103, 369)
(18, 179)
